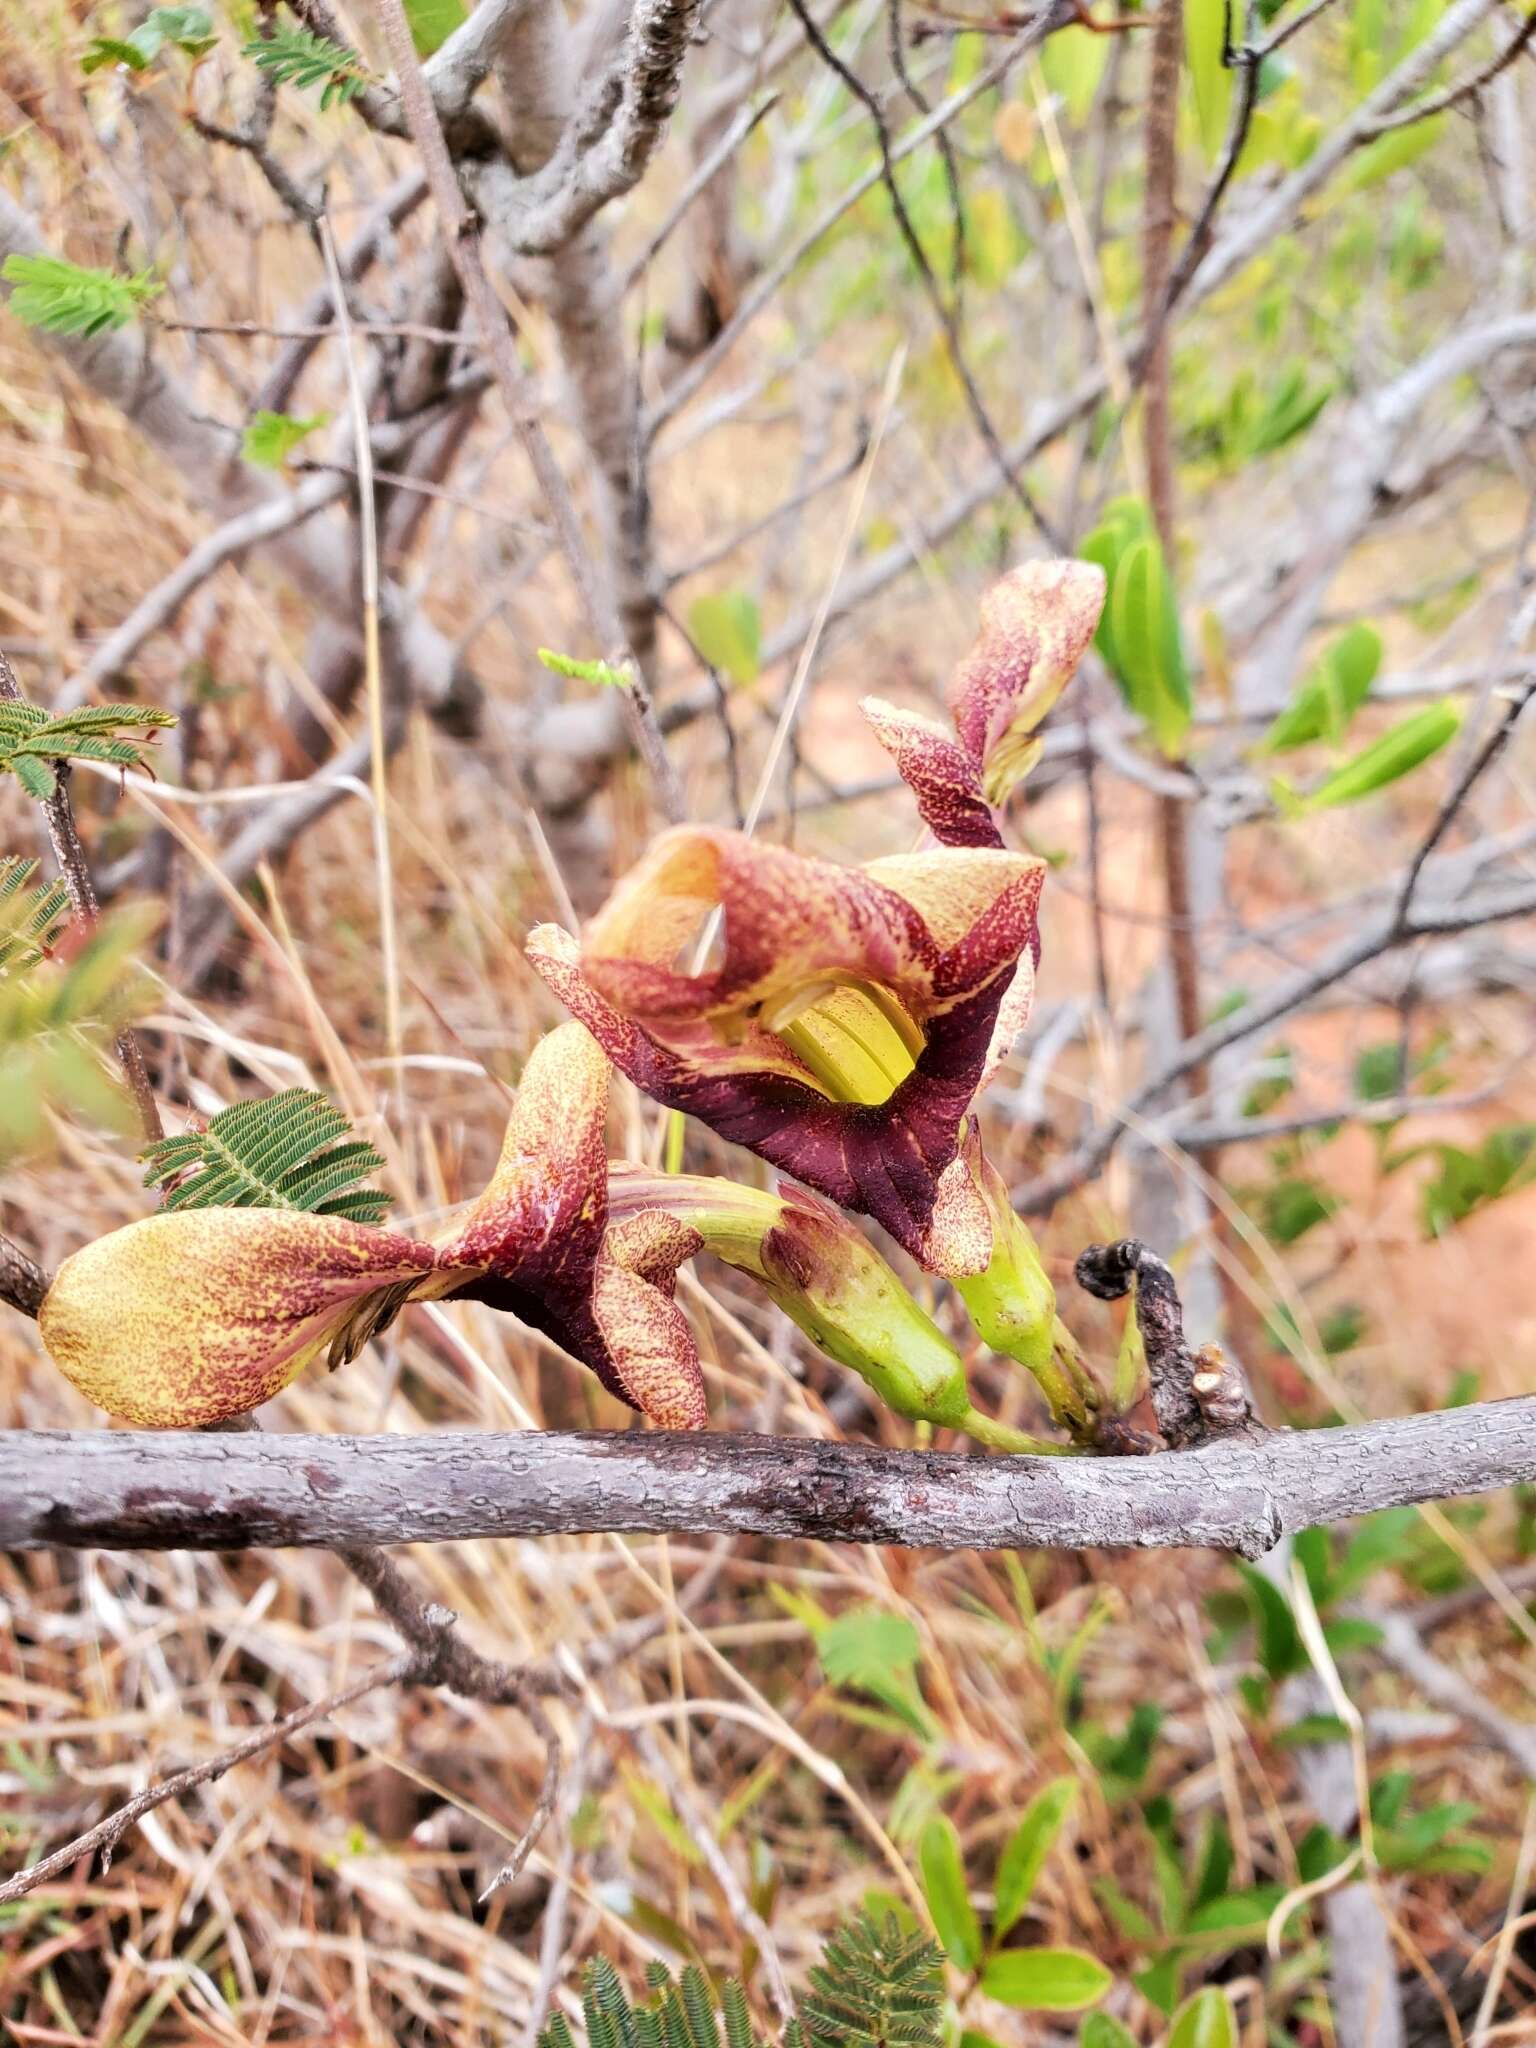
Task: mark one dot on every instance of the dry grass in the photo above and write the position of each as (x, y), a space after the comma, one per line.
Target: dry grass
(327, 1894)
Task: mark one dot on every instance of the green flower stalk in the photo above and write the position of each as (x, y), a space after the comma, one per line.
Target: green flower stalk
(833, 1285)
(1013, 1306)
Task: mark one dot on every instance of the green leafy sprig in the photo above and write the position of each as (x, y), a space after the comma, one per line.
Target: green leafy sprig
(31, 919)
(70, 298)
(293, 1150)
(297, 56)
(188, 29)
(30, 740)
(876, 1986)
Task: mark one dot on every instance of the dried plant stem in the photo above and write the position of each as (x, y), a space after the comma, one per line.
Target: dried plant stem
(104, 1838)
(373, 665)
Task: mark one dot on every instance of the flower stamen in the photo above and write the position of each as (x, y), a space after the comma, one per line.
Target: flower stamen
(857, 1040)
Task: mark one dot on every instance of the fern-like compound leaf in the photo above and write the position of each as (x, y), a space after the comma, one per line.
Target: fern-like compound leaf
(31, 919)
(69, 298)
(876, 1987)
(297, 56)
(294, 1150)
(30, 739)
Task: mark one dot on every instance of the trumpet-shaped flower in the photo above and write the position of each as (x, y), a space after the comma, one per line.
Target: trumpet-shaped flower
(196, 1315)
(843, 1024)
(1036, 624)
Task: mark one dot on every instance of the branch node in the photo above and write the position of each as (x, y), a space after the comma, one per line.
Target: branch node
(1198, 1396)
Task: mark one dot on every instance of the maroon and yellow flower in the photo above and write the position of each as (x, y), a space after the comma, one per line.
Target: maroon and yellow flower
(192, 1316)
(1036, 624)
(842, 1027)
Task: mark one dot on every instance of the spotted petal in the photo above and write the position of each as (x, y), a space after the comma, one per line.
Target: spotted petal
(940, 773)
(538, 1242)
(1036, 624)
(196, 1315)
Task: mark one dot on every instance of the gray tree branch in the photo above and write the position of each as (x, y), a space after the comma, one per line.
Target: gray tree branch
(110, 1489)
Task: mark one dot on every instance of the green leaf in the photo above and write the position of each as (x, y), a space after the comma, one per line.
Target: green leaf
(1073, 62)
(432, 22)
(1125, 520)
(1045, 1979)
(1292, 405)
(188, 29)
(30, 739)
(877, 1652)
(104, 50)
(585, 671)
(867, 1645)
(271, 437)
(58, 1015)
(1204, 2021)
(1332, 692)
(1311, 1728)
(1205, 34)
(1100, 2031)
(1408, 745)
(35, 777)
(31, 919)
(68, 298)
(1023, 1858)
(876, 1985)
(1149, 645)
(1390, 153)
(1235, 1910)
(727, 629)
(1290, 1208)
(293, 1150)
(948, 1895)
(296, 56)
(1279, 1640)
(1468, 1180)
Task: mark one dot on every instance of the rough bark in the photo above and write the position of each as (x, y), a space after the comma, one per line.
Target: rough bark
(119, 1490)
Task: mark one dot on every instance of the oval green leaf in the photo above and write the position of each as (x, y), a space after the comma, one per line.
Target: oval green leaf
(727, 629)
(1332, 692)
(1100, 2031)
(1021, 1862)
(949, 1898)
(1045, 1979)
(1408, 745)
(1148, 644)
(1204, 2021)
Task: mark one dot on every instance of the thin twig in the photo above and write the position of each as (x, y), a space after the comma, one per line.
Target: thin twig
(944, 313)
(462, 228)
(409, 1667)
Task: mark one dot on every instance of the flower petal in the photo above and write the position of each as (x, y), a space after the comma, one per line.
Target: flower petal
(537, 1243)
(938, 771)
(788, 921)
(1035, 628)
(649, 1345)
(939, 933)
(545, 1201)
(196, 1315)
(980, 907)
